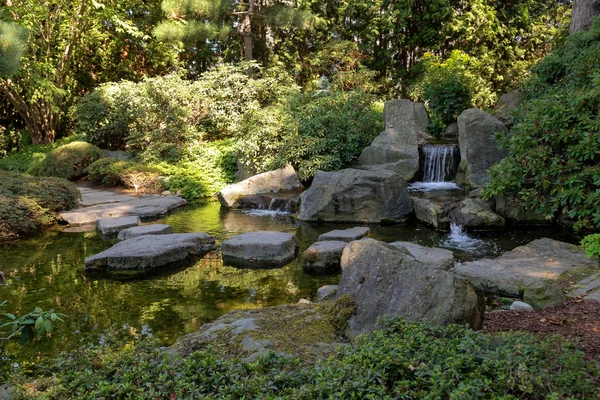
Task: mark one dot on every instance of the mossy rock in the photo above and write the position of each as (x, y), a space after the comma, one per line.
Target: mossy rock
(307, 331)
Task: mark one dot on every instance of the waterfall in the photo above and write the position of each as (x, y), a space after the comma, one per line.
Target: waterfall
(440, 162)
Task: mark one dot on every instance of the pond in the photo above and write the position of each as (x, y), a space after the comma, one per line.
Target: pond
(47, 272)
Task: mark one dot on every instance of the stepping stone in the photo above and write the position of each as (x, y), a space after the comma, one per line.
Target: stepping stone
(433, 257)
(586, 285)
(323, 257)
(154, 229)
(326, 292)
(110, 227)
(260, 249)
(151, 251)
(346, 235)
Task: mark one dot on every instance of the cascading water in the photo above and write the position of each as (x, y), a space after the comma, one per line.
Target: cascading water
(440, 162)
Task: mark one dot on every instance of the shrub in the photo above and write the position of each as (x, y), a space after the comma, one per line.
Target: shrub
(554, 146)
(403, 360)
(30, 156)
(69, 161)
(591, 243)
(311, 131)
(28, 203)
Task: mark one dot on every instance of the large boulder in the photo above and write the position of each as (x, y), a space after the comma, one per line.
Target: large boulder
(353, 195)
(397, 147)
(280, 180)
(260, 249)
(542, 260)
(476, 214)
(433, 257)
(507, 103)
(478, 148)
(430, 213)
(516, 213)
(151, 251)
(386, 280)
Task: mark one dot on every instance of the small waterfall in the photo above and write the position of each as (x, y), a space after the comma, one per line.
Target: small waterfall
(270, 204)
(439, 162)
(460, 240)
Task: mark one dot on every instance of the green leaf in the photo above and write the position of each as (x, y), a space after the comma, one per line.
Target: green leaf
(39, 323)
(53, 317)
(11, 316)
(37, 310)
(28, 321)
(48, 325)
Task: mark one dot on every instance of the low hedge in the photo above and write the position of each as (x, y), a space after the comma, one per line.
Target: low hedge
(402, 360)
(69, 161)
(29, 203)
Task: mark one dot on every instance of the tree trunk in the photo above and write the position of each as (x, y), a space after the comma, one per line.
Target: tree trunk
(247, 31)
(583, 13)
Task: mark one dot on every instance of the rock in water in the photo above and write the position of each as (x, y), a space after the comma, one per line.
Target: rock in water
(385, 280)
(353, 195)
(110, 227)
(260, 249)
(397, 147)
(346, 235)
(431, 213)
(478, 148)
(153, 229)
(476, 214)
(283, 179)
(151, 251)
(323, 257)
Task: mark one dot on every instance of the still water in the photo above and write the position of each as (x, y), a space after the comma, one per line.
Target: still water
(47, 272)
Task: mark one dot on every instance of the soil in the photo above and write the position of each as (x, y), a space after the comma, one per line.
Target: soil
(578, 321)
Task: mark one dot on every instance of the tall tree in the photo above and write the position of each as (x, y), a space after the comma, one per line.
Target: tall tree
(584, 12)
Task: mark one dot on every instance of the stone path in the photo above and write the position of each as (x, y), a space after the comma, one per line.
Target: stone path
(97, 204)
(588, 288)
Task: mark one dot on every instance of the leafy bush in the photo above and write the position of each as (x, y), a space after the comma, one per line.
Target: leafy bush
(311, 131)
(69, 161)
(28, 203)
(554, 146)
(32, 326)
(167, 118)
(451, 86)
(403, 360)
(30, 156)
(591, 243)
(207, 171)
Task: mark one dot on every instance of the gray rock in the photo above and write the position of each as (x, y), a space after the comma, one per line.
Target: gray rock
(326, 292)
(397, 147)
(153, 229)
(323, 257)
(478, 148)
(283, 179)
(146, 208)
(353, 195)
(430, 213)
(543, 295)
(451, 131)
(110, 227)
(511, 273)
(506, 104)
(521, 306)
(476, 214)
(346, 235)
(260, 249)
(151, 251)
(432, 257)
(517, 214)
(117, 155)
(385, 280)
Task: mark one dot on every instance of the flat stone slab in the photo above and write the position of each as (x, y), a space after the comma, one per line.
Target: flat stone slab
(150, 251)
(432, 257)
(587, 285)
(146, 208)
(538, 261)
(346, 235)
(153, 229)
(110, 227)
(92, 197)
(260, 249)
(323, 257)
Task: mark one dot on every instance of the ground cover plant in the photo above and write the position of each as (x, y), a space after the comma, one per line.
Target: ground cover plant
(402, 360)
(29, 203)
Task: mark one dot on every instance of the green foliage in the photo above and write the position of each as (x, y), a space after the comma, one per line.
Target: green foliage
(591, 243)
(29, 157)
(69, 161)
(451, 86)
(28, 203)
(206, 172)
(32, 326)
(311, 131)
(403, 360)
(12, 47)
(554, 145)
